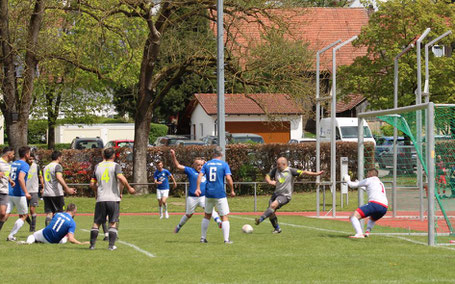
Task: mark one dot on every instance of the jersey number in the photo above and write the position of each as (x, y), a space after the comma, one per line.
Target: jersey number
(105, 176)
(47, 175)
(212, 174)
(58, 224)
(13, 173)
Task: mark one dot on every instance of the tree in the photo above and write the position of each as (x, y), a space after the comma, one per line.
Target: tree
(396, 24)
(19, 59)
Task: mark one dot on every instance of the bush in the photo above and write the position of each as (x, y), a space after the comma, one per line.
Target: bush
(37, 131)
(157, 130)
(247, 162)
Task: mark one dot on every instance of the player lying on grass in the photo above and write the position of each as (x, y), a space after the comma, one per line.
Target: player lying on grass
(60, 230)
(193, 201)
(282, 177)
(377, 202)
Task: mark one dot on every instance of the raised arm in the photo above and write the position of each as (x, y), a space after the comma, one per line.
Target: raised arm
(176, 163)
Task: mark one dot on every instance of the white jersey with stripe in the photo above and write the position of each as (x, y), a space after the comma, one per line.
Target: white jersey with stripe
(374, 188)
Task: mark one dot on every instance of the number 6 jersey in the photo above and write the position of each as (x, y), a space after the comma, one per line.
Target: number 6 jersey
(105, 174)
(52, 187)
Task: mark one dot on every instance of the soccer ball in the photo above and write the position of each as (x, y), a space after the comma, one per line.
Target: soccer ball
(247, 229)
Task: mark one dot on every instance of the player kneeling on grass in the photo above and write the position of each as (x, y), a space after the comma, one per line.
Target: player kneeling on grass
(108, 195)
(193, 201)
(282, 177)
(60, 230)
(377, 202)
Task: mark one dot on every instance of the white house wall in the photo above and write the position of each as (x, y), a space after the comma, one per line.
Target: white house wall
(199, 116)
(107, 132)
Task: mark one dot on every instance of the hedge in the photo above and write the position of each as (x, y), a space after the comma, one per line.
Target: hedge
(247, 162)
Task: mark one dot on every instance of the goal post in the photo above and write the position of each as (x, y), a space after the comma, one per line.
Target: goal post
(408, 120)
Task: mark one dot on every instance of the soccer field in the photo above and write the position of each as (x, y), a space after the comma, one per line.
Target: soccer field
(307, 251)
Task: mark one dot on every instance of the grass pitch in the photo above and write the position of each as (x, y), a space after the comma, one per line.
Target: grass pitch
(307, 251)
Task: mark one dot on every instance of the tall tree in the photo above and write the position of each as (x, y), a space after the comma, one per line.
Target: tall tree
(396, 24)
(19, 33)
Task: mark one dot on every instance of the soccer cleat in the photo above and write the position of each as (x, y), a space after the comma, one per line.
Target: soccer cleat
(228, 242)
(220, 224)
(92, 247)
(204, 241)
(257, 221)
(367, 234)
(276, 231)
(166, 215)
(177, 229)
(106, 238)
(161, 216)
(112, 248)
(357, 236)
(11, 239)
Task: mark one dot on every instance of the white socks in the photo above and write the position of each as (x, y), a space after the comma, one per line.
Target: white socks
(356, 224)
(226, 227)
(183, 220)
(370, 225)
(204, 227)
(19, 223)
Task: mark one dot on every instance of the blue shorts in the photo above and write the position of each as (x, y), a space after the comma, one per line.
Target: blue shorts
(372, 209)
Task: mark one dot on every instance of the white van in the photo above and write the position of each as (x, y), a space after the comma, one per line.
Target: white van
(346, 130)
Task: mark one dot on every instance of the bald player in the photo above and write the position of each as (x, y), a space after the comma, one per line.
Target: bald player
(282, 177)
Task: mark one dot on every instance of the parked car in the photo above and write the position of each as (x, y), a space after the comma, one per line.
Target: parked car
(190, 143)
(301, 140)
(385, 143)
(235, 138)
(406, 159)
(169, 140)
(210, 140)
(86, 143)
(346, 129)
(119, 144)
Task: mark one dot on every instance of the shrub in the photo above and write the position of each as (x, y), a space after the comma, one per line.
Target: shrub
(157, 130)
(247, 162)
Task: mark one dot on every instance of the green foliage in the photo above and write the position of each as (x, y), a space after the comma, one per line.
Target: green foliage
(37, 131)
(396, 24)
(387, 130)
(157, 130)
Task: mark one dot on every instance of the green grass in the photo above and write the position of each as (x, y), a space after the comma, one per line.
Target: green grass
(301, 254)
(148, 203)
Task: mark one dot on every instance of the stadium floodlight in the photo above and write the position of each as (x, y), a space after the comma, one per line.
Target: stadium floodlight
(220, 77)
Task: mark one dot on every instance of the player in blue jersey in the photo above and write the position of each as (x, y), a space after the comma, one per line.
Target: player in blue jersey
(18, 193)
(193, 201)
(215, 171)
(60, 230)
(161, 177)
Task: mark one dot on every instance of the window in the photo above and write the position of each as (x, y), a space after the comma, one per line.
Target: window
(352, 132)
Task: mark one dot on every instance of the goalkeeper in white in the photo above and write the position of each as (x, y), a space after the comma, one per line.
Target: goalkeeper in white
(377, 202)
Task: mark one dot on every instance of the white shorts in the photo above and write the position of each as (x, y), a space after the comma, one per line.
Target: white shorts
(221, 205)
(39, 237)
(20, 202)
(193, 202)
(160, 193)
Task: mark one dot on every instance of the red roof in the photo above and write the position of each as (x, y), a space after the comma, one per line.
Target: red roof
(317, 26)
(349, 102)
(258, 104)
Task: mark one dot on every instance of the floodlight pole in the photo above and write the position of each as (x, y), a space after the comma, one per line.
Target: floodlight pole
(426, 88)
(419, 119)
(395, 130)
(333, 160)
(318, 122)
(220, 77)
(431, 174)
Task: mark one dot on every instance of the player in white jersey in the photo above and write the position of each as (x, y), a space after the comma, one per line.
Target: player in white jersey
(377, 202)
(5, 168)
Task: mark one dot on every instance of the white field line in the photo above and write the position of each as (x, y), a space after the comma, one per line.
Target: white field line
(132, 246)
(390, 235)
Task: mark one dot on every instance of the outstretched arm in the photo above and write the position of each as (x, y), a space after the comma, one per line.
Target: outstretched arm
(176, 163)
(308, 173)
(73, 240)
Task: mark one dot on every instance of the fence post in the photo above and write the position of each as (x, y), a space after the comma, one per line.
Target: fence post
(255, 197)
